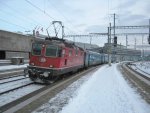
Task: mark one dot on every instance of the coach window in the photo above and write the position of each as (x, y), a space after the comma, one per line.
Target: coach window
(36, 49)
(51, 51)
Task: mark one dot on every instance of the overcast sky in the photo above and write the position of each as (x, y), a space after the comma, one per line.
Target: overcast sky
(78, 16)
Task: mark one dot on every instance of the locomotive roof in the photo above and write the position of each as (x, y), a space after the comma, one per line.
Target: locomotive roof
(58, 42)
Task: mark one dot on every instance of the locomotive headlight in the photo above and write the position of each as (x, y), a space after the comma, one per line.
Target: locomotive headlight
(43, 45)
(32, 64)
(46, 74)
(51, 66)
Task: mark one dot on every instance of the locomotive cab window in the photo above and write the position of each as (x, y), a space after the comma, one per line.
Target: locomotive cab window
(36, 49)
(77, 52)
(63, 53)
(70, 52)
(51, 51)
(60, 52)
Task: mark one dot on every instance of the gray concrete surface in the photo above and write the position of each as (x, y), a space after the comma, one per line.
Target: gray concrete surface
(10, 41)
(15, 45)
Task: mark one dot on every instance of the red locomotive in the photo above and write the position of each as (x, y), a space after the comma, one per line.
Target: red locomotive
(53, 57)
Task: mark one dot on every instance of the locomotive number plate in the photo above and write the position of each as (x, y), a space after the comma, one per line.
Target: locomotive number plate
(42, 59)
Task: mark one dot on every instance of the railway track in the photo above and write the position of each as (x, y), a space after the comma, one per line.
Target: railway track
(9, 77)
(13, 88)
(140, 74)
(12, 79)
(7, 91)
(142, 70)
(42, 92)
(137, 80)
(11, 85)
(10, 73)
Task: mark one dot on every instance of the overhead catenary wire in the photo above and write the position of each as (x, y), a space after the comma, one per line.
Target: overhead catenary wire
(13, 24)
(43, 11)
(18, 18)
(60, 12)
(24, 19)
(29, 19)
(40, 9)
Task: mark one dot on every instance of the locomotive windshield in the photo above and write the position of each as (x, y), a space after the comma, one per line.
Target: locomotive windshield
(36, 49)
(51, 51)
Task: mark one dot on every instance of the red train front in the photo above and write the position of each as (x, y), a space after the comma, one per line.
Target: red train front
(52, 58)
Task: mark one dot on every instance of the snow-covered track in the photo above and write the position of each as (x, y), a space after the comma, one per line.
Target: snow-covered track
(13, 80)
(9, 77)
(8, 73)
(142, 83)
(140, 74)
(43, 93)
(7, 91)
(12, 97)
(13, 85)
(143, 71)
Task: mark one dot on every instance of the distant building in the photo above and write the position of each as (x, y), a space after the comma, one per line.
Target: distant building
(86, 45)
(14, 45)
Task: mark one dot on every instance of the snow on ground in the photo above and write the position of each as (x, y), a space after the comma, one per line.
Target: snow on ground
(12, 85)
(60, 100)
(13, 95)
(11, 79)
(9, 67)
(104, 92)
(142, 67)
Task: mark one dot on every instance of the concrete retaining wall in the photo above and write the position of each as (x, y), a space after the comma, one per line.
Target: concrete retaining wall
(10, 41)
(17, 54)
